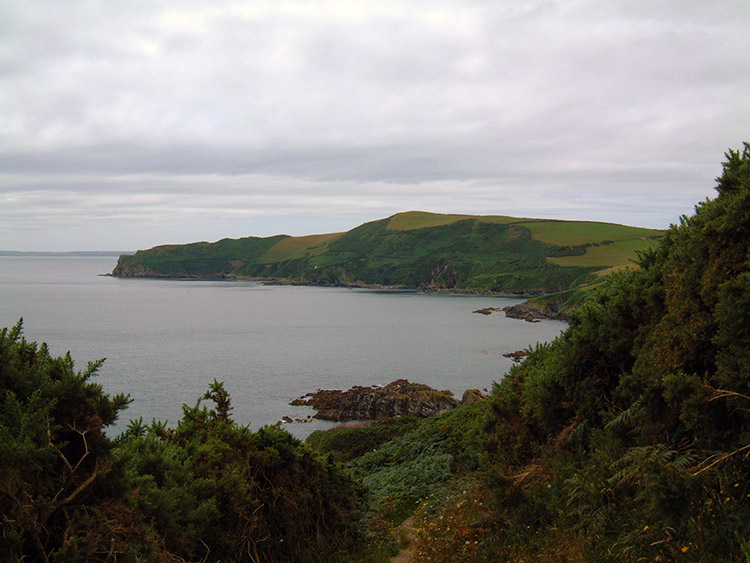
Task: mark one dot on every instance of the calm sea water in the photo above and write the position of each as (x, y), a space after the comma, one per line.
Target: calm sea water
(165, 341)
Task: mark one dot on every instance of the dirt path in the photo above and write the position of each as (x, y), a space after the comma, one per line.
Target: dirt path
(407, 529)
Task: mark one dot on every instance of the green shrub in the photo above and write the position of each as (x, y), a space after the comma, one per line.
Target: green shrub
(345, 443)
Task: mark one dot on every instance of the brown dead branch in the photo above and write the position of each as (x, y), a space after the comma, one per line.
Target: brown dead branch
(719, 458)
(83, 486)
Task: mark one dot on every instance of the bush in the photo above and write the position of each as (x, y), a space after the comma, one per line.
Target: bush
(205, 490)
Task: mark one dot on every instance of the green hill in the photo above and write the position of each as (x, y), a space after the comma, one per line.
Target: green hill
(413, 250)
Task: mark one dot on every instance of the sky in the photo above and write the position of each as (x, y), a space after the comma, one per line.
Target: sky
(125, 125)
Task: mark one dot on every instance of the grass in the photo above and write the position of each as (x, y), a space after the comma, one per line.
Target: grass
(573, 233)
(297, 247)
(412, 220)
(617, 255)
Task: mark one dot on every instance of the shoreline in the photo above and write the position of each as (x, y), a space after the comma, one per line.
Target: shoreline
(346, 285)
(526, 310)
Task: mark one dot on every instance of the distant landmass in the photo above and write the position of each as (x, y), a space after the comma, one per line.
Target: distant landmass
(93, 253)
(416, 250)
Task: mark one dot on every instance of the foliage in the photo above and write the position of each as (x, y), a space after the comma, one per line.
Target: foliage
(215, 490)
(55, 470)
(630, 432)
(345, 443)
(205, 490)
(404, 460)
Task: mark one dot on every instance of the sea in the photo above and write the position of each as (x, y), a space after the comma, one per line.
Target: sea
(165, 341)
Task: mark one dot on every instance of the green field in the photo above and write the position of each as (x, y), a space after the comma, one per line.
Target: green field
(615, 255)
(411, 220)
(586, 232)
(297, 247)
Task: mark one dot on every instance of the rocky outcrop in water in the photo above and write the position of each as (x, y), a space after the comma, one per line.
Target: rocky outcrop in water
(488, 310)
(517, 356)
(398, 398)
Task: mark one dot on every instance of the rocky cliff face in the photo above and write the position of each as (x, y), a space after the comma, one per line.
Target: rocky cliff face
(399, 398)
(128, 267)
(139, 271)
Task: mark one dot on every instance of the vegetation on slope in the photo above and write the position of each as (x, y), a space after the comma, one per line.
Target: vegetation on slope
(627, 438)
(414, 249)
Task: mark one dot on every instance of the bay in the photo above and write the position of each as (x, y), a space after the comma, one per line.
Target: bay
(165, 340)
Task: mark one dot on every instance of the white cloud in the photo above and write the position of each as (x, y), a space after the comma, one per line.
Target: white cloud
(316, 115)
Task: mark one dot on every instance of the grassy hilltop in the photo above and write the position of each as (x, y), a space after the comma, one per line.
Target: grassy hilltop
(414, 249)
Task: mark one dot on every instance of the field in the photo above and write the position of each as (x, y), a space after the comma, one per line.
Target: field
(411, 220)
(574, 233)
(296, 247)
(615, 255)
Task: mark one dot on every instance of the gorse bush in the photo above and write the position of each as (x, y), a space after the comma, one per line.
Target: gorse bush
(56, 476)
(214, 490)
(206, 490)
(637, 415)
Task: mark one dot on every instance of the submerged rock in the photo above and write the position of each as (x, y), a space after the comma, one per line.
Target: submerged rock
(398, 398)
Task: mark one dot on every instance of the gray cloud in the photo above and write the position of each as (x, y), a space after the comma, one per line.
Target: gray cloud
(125, 125)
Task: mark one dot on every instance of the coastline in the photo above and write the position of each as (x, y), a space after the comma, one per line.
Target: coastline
(527, 311)
(350, 285)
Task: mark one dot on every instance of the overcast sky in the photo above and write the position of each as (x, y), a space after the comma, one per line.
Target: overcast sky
(127, 124)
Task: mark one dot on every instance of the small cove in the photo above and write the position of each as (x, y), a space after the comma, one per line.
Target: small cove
(166, 340)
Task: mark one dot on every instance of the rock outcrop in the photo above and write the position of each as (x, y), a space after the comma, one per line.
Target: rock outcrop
(535, 312)
(398, 398)
(517, 356)
(472, 396)
(488, 310)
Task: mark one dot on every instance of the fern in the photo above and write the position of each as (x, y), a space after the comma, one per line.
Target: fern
(633, 411)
